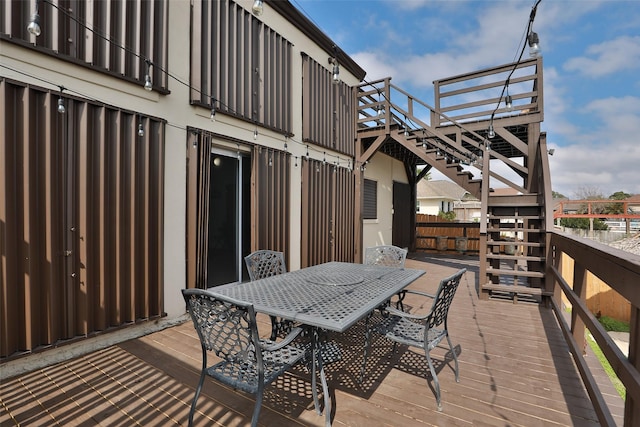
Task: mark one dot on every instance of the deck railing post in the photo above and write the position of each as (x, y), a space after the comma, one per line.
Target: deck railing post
(580, 288)
(632, 406)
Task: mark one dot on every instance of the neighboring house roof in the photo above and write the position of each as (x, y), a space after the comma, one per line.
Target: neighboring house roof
(442, 189)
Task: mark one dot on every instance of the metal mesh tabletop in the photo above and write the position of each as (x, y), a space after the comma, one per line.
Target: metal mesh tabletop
(331, 296)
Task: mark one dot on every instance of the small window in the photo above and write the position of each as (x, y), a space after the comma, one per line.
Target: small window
(370, 210)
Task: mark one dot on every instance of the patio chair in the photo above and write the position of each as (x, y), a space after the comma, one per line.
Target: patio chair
(422, 331)
(267, 263)
(388, 256)
(228, 329)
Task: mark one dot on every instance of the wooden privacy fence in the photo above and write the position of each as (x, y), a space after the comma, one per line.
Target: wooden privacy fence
(601, 299)
(435, 233)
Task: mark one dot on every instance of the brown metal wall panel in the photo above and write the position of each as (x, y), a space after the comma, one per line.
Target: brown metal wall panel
(112, 36)
(81, 219)
(327, 213)
(241, 63)
(271, 194)
(328, 113)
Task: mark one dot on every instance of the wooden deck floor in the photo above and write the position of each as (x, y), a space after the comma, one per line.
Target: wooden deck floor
(515, 370)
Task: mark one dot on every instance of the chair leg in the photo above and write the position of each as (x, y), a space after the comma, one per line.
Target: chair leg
(199, 388)
(274, 328)
(436, 383)
(256, 409)
(455, 358)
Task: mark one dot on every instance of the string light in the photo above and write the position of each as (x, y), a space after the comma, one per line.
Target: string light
(61, 107)
(34, 28)
(533, 41)
(212, 116)
(148, 85)
(34, 23)
(257, 8)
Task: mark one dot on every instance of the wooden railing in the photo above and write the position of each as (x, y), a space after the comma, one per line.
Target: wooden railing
(621, 271)
(473, 96)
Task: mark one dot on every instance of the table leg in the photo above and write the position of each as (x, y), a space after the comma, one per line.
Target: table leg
(314, 355)
(317, 358)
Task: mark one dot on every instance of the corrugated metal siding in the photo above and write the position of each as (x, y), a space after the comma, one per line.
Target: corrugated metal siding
(240, 65)
(271, 195)
(112, 36)
(198, 187)
(328, 203)
(81, 217)
(327, 108)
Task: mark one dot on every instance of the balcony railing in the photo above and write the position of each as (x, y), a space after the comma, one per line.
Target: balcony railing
(621, 271)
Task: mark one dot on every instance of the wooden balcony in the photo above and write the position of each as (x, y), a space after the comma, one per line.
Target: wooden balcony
(515, 369)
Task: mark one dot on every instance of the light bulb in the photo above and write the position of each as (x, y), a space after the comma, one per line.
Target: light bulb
(61, 108)
(213, 114)
(491, 133)
(255, 134)
(257, 8)
(140, 130)
(508, 103)
(534, 45)
(336, 73)
(34, 25)
(147, 82)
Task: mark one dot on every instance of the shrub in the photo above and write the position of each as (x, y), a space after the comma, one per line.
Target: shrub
(613, 325)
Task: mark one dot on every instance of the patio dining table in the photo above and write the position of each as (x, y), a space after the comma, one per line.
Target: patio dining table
(331, 297)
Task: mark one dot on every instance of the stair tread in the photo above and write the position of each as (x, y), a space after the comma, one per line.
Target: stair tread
(514, 229)
(516, 257)
(507, 272)
(516, 288)
(502, 242)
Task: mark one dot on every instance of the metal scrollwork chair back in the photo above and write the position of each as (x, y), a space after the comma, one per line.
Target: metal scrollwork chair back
(228, 329)
(387, 255)
(267, 263)
(422, 331)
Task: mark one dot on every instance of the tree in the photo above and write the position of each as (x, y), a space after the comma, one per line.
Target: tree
(589, 193)
(448, 216)
(616, 208)
(557, 195)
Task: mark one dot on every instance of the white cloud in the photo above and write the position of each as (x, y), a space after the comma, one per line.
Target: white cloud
(621, 54)
(606, 155)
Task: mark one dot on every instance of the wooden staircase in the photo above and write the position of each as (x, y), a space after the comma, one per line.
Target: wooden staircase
(507, 171)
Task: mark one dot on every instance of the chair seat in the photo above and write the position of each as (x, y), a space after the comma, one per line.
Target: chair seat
(243, 374)
(409, 332)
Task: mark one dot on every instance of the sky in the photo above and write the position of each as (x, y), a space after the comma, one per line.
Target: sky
(591, 57)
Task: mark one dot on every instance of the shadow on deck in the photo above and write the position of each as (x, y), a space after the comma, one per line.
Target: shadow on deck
(515, 369)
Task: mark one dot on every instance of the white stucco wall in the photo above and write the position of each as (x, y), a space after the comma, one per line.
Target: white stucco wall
(384, 170)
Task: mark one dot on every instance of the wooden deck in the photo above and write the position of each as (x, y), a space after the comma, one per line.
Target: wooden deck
(515, 370)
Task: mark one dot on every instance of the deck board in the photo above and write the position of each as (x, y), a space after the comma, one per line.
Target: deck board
(515, 370)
